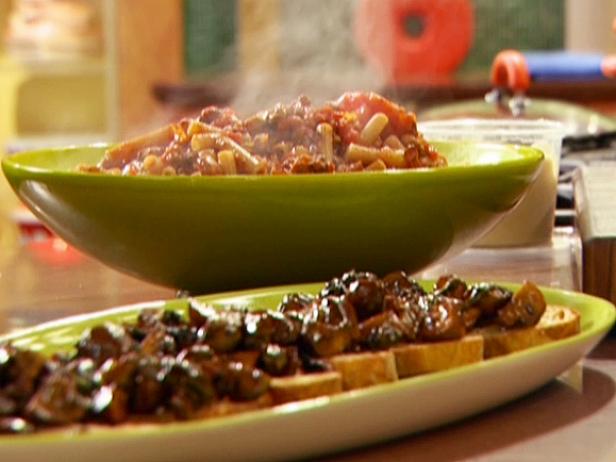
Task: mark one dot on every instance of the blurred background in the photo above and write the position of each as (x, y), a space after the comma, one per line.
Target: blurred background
(85, 71)
(99, 70)
(82, 71)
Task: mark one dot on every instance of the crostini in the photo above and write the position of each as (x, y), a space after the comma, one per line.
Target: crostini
(358, 331)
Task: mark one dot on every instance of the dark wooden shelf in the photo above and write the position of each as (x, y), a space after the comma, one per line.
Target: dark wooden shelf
(427, 94)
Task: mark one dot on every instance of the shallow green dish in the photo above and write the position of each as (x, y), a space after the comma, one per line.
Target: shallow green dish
(316, 426)
(205, 234)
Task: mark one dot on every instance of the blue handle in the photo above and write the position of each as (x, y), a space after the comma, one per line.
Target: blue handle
(550, 66)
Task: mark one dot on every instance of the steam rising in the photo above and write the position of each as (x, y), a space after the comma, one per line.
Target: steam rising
(293, 47)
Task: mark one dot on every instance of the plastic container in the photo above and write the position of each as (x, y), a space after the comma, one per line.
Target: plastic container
(556, 265)
(531, 222)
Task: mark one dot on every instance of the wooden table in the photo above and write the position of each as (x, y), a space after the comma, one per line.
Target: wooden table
(570, 419)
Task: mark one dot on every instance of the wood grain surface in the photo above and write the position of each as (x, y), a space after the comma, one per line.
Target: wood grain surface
(150, 50)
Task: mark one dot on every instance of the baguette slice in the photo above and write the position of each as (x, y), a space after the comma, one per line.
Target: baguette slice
(221, 408)
(422, 358)
(556, 323)
(304, 386)
(359, 370)
(228, 407)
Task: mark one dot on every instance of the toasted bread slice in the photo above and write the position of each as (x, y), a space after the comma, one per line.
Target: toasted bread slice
(361, 370)
(228, 407)
(304, 386)
(556, 323)
(421, 358)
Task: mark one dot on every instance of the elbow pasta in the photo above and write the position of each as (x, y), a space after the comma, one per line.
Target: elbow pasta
(357, 132)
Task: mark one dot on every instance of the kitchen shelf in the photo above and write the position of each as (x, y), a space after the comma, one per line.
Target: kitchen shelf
(37, 65)
(430, 93)
(50, 97)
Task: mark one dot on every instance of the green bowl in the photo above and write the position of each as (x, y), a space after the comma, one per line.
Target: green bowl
(205, 234)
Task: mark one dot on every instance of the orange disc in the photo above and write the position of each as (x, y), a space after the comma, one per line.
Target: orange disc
(440, 38)
(510, 70)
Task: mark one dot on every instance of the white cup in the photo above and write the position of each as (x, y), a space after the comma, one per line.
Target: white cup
(531, 221)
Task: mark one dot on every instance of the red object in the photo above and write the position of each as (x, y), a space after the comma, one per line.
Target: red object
(609, 66)
(29, 226)
(510, 70)
(55, 252)
(441, 40)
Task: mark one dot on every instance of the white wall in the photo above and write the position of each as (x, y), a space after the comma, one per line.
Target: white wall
(589, 25)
